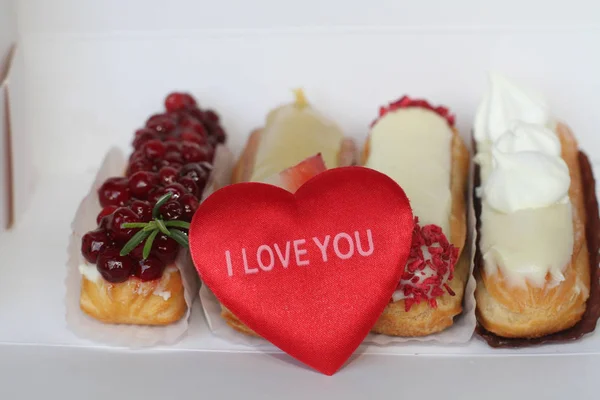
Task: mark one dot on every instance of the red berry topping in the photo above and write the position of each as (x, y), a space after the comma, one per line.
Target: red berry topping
(177, 189)
(429, 268)
(141, 182)
(114, 192)
(93, 243)
(173, 157)
(189, 185)
(192, 124)
(165, 248)
(142, 209)
(210, 115)
(137, 155)
(154, 149)
(179, 101)
(167, 175)
(144, 136)
(138, 252)
(193, 152)
(189, 205)
(106, 211)
(190, 135)
(113, 267)
(406, 102)
(171, 210)
(161, 123)
(194, 112)
(219, 135)
(156, 194)
(149, 269)
(172, 147)
(116, 219)
(198, 172)
(139, 165)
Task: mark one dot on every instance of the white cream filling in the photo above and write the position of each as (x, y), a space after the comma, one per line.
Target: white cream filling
(90, 272)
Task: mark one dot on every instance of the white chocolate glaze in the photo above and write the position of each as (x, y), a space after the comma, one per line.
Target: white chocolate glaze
(293, 133)
(412, 146)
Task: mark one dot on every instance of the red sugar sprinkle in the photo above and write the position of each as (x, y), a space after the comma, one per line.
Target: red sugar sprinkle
(406, 102)
(429, 268)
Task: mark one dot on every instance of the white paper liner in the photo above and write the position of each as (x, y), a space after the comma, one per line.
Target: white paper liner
(133, 336)
(459, 333)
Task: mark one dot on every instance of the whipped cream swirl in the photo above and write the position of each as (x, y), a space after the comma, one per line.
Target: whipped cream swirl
(505, 103)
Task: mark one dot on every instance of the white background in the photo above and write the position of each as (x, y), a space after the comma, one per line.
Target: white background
(88, 73)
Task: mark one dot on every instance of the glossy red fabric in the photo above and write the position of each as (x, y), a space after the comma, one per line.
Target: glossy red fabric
(312, 271)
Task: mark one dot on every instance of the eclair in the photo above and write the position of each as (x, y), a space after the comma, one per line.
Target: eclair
(130, 268)
(532, 265)
(296, 143)
(418, 146)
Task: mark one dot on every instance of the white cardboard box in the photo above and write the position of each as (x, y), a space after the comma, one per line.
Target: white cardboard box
(86, 74)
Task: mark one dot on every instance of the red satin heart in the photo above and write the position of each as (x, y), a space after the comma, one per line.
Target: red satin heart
(318, 313)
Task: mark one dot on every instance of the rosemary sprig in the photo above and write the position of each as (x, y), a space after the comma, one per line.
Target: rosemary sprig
(149, 230)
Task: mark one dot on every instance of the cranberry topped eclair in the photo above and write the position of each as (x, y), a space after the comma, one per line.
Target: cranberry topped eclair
(532, 265)
(129, 275)
(418, 146)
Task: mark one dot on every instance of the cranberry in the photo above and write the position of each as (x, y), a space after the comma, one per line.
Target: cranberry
(177, 189)
(210, 115)
(189, 205)
(192, 124)
(93, 243)
(161, 123)
(149, 269)
(193, 152)
(116, 219)
(137, 155)
(199, 172)
(105, 212)
(193, 136)
(143, 137)
(154, 149)
(113, 267)
(189, 185)
(165, 248)
(171, 139)
(219, 134)
(114, 192)
(158, 117)
(172, 147)
(171, 210)
(138, 165)
(167, 175)
(138, 252)
(175, 165)
(143, 210)
(178, 101)
(173, 157)
(141, 182)
(156, 194)
(210, 151)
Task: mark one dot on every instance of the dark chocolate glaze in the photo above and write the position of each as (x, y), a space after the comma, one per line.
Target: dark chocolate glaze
(590, 317)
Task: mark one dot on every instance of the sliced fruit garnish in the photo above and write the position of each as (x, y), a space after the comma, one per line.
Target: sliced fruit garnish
(292, 178)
